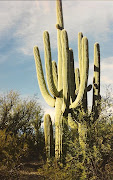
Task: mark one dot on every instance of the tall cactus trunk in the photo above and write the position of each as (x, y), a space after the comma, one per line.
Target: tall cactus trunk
(58, 104)
(58, 128)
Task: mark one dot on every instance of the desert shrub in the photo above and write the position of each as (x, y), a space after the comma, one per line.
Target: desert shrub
(12, 149)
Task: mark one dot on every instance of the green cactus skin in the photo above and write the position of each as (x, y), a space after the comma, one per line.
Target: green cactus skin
(84, 79)
(58, 104)
(60, 24)
(48, 131)
(68, 88)
(77, 80)
(48, 65)
(55, 74)
(71, 76)
(41, 81)
(58, 128)
(65, 73)
(80, 36)
(96, 82)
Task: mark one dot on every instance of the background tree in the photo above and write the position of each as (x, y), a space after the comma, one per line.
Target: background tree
(21, 135)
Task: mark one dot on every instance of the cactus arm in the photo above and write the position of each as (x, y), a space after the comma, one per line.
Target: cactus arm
(71, 76)
(65, 72)
(83, 83)
(96, 79)
(55, 74)
(80, 36)
(48, 65)
(40, 76)
(77, 79)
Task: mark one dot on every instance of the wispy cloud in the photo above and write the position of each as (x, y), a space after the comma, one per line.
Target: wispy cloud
(28, 20)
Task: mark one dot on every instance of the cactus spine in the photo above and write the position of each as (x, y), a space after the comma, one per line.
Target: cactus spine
(67, 85)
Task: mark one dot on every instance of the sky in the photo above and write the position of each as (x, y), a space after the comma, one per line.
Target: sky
(22, 24)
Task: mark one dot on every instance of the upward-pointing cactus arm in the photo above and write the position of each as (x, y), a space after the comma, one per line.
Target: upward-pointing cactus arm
(80, 36)
(96, 79)
(71, 76)
(77, 80)
(55, 74)
(48, 65)
(65, 73)
(40, 76)
(83, 82)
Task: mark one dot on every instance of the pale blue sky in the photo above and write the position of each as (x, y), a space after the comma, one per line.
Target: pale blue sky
(21, 27)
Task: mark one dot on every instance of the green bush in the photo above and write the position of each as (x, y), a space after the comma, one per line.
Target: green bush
(21, 136)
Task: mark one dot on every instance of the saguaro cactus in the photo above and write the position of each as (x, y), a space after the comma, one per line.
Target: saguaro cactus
(48, 131)
(67, 85)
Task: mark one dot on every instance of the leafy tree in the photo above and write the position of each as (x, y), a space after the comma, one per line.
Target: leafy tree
(20, 128)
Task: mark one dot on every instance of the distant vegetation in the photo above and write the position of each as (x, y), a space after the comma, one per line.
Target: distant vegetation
(22, 141)
(21, 136)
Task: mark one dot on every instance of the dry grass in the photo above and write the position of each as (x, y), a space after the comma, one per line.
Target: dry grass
(26, 171)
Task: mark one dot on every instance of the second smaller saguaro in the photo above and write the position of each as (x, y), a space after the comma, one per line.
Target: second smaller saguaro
(48, 131)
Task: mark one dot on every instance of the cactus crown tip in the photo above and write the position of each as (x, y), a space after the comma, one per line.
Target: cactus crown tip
(96, 44)
(80, 34)
(45, 32)
(35, 47)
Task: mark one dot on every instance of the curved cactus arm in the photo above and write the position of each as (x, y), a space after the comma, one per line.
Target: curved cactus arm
(65, 70)
(55, 74)
(48, 65)
(84, 79)
(40, 76)
(59, 27)
(80, 36)
(96, 80)
(71, 76)
(48, 131)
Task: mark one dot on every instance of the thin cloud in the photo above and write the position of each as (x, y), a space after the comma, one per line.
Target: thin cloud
(29, 19)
